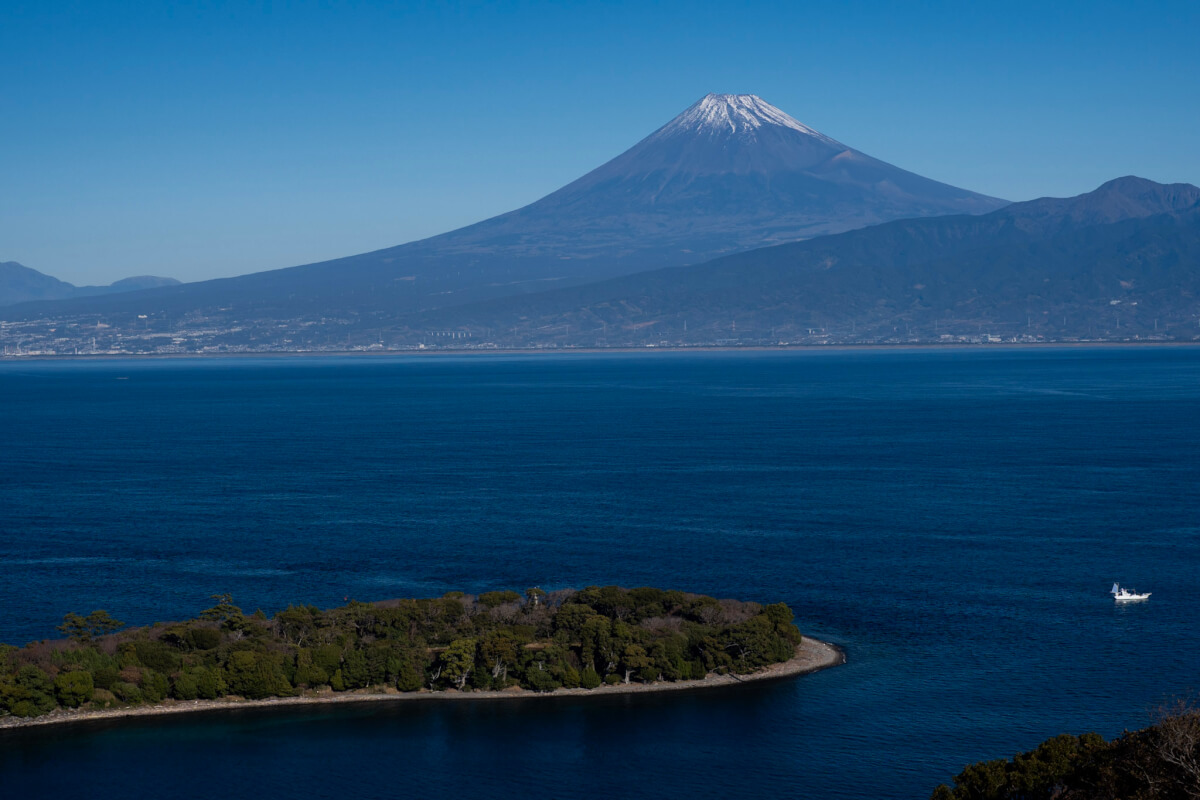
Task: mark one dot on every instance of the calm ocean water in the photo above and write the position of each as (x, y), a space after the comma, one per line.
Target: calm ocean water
(953, 519)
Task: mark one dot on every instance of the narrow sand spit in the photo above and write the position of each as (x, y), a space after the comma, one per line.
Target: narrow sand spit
(811, 656)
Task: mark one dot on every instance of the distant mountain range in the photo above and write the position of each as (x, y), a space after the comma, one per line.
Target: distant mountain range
(664, 246)
(731, 173)
(20, 284)
(1123, 260)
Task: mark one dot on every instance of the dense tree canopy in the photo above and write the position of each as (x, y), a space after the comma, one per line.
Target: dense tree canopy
(1161, 762)
(535, 640)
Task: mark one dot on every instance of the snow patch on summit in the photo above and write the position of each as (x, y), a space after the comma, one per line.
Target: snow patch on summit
(734, 114)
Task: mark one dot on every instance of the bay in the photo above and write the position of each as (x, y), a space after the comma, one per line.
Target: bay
(953, 519)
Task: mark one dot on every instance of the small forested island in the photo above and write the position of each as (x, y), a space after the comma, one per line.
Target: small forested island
(1161, 762)
(498, 643)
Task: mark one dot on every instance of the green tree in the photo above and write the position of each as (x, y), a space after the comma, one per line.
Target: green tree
(457, 662)
(383, 662)
(589, 678)
(28, 693)
(203, 638)
(84, 629)
(635, 659)
(779, 614)
(355, 671)
(105, 677)
(127, 692)
(328, 658)
(495, 599)
(596, 646)
(1048, 765)
(571, 677)
(499, 652)
(572, 617)
(255, 675)
(409, 678)
(154, 686)
(300, 625)
(667, 658)
(986, 780)
(210, 684)
(755, 643)
(307, 672)
(539, 678)
(73, 689)
(156, 655)
(224, 612)
(184, 686)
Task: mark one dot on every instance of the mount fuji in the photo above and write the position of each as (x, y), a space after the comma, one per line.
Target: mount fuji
(730, 174)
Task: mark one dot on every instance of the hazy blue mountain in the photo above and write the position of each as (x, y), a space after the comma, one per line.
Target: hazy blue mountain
(132, 284)
(729, 174)
(20, 284)
(1125, 257)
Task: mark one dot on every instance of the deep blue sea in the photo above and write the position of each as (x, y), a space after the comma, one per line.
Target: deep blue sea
(953, 519)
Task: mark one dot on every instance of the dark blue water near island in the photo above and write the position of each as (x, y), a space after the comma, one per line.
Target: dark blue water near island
(953, 519)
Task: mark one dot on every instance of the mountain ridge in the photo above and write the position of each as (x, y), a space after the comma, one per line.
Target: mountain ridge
(1085, 256)
(681, 198)
(1119, 263)
(21, 284)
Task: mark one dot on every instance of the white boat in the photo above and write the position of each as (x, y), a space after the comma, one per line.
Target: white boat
(1124, 595)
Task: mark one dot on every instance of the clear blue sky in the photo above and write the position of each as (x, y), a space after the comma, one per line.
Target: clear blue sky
(207, 139)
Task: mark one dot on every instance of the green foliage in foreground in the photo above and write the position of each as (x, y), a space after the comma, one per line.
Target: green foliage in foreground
(1161, 762)
(534, 640)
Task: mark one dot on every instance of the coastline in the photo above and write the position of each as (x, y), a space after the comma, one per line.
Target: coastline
(521, 351)
(812, 655)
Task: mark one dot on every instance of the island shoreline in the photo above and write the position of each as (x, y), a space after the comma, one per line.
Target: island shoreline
(812, 655)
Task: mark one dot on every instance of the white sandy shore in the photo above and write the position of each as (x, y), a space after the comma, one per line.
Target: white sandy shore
(811, 655)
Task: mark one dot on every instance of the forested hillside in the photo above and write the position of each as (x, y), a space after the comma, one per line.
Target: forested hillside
(1161, 762)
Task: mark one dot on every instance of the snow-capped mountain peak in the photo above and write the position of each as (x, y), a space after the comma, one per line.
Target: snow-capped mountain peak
(731, 134)
(734, 114)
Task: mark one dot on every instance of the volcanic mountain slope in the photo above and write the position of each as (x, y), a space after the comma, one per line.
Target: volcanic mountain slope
(20, 284)
(1123, 260)
(730, 173)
